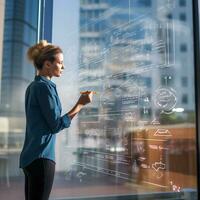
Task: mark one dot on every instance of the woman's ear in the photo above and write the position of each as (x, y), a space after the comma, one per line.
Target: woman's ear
(47, 64)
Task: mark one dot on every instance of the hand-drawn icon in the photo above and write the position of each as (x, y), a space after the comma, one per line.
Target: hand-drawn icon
(130, 100)
(94, 132)
(141, 158)
(107, 99)
(130, 116)
(139, 147)
(157, 147)
(165, 99)
(175, 188)
(80, 175)
(144, 166)
(155, 122)
(162, 132)
(158, 166)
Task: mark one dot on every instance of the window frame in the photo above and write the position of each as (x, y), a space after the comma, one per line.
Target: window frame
(196, 47)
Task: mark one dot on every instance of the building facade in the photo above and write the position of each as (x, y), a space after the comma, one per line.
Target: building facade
(22, 25)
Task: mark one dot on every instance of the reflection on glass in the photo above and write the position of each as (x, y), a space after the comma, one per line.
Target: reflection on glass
(139, 134)
(137, 139)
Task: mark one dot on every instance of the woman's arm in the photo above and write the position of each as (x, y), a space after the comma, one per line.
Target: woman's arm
(84, 99)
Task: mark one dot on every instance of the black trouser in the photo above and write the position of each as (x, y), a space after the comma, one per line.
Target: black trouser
(39, 177)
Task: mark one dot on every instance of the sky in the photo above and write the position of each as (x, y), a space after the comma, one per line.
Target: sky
(66, 35)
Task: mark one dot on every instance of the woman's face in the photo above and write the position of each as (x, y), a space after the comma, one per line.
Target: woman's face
(56, 68)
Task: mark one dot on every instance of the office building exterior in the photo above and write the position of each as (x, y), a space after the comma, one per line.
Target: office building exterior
(22, 25)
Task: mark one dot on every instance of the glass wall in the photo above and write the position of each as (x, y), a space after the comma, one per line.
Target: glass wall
(137, 139)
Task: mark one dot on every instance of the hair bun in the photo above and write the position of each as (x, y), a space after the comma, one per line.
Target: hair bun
(35, 50)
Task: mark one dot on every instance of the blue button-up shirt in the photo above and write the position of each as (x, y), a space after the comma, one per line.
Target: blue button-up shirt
(43, 121)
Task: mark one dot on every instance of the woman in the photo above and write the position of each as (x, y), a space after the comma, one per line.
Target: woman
(44, 120)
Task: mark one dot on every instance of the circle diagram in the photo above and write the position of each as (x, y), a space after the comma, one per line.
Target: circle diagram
(165, 99)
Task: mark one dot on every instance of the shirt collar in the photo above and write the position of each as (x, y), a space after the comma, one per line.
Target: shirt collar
(42, 78)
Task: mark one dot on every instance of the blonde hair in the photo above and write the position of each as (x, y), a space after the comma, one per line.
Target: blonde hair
(41, 52)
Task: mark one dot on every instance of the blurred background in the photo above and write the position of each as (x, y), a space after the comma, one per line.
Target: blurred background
(137, 139)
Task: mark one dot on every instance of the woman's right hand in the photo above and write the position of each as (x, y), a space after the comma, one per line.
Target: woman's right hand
(85, 98)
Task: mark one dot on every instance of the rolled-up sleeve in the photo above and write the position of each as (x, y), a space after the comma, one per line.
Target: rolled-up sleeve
(50, 109)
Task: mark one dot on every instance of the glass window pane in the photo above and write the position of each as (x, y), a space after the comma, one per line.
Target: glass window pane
(137, 137)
